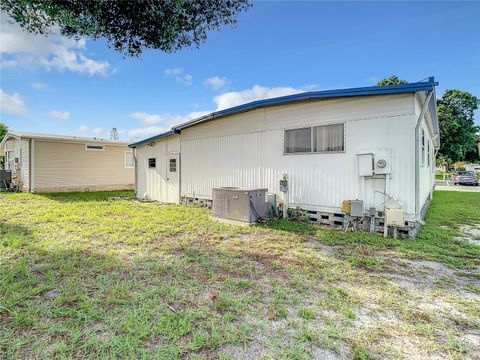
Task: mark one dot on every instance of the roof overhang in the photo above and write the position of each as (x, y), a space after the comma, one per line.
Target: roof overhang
(7, 136)
(60, 138)
(422, 86)
(153, 138)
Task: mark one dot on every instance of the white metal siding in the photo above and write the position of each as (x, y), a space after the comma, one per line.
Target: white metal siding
(151, 182)
(247, 150)
(426, 173)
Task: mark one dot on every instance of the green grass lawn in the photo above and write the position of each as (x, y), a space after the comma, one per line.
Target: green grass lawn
(85, 276)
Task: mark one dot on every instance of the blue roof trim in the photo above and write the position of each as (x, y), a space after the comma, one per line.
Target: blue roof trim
(313, 95)
(153, 138)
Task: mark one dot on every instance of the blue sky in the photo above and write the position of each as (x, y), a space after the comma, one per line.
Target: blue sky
(56, 85)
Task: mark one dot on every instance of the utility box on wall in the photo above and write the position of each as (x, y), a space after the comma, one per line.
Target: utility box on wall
(383, 164)
(395, 217)
(365, 164)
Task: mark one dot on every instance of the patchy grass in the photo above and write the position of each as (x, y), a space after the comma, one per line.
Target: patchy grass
(86, 276)
(438, 239)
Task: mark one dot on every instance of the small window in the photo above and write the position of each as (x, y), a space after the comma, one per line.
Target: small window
(91, 147)
(298, 141)
(428, 154)
(328, 138)
(152, 162)
(129, 159)
(173, 165)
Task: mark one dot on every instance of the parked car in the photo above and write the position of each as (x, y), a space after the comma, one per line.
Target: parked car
(465, 178)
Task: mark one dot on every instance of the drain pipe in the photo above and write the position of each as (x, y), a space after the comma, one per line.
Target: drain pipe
(417, 157)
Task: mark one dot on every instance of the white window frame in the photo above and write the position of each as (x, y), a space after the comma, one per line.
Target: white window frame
(422, 145)
(311, 140)
(96, 145)
(125, 160)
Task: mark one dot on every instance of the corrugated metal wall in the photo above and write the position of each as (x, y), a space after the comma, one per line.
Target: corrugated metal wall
(151, 182)
(247, 150)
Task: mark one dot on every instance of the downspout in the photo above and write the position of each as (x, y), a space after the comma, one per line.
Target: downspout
(417, 157)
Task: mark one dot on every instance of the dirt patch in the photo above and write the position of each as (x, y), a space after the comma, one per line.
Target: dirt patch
(251, 352)
(471, 234)
(422, 275)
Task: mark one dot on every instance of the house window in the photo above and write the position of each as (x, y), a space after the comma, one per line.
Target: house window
(91, 147)
(328, 138)
(129, 160)
(428, 154)
(152, 162)
(317, 139)
(173, 165)
(423, 147)
(298, 140)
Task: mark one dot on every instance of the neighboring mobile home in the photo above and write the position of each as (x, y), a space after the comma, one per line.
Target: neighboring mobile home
(371, 143)
(46, 163)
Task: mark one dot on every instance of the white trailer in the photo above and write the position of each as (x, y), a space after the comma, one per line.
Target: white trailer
(372, 144)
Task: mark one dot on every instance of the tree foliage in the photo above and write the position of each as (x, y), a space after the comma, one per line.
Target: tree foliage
(458, 133)
(392, 80)
(128, 26)
(3, 130)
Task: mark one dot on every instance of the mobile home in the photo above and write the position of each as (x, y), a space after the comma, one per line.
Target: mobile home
(376, 144)
(46, 162)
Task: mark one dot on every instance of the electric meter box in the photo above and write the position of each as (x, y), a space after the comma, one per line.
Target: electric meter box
(383, 164)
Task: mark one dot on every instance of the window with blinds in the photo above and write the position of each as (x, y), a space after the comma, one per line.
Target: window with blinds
(328, 138)
(298, 140)
(317, 139)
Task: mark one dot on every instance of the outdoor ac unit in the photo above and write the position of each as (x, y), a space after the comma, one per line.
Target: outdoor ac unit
(245, 205)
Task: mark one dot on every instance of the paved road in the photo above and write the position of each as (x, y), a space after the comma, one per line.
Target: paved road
(444, 185)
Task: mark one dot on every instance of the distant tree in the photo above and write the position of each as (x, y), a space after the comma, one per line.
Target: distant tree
(114, 134)
(3, 131)
(128, 26)
(392, 80)
(458, 133)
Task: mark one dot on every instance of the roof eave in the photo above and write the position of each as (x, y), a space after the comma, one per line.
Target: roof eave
(329, 94)
(284, 100)
(152, 138)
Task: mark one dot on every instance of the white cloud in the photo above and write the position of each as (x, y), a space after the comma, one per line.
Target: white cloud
(158, 123)
(22, 49)
(12, 104)
(97, 130)
(38, 85)
(179, 75)
(83, 128)
(59, 115)
(165, 122)
(145, 132)
(216, 82)
(257, 92)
